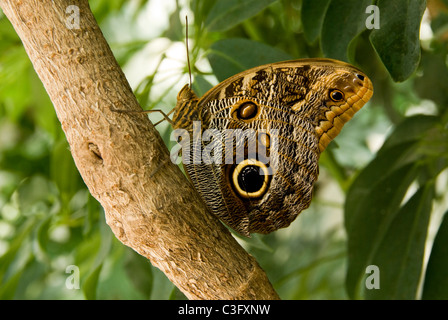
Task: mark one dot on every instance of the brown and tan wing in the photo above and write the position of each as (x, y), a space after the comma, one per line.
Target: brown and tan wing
(295, 108)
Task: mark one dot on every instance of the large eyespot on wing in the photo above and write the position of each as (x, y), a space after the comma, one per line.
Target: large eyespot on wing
(348, 92)
(250, 179)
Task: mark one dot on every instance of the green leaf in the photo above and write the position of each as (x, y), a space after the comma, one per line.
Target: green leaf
(370, 219)
(8, 289)
(63, 170)
(230, 56)
(40, 248)
(313, 14)
(93, 212)
(373, 202)
(379, 169)
(175, 32)
(91, 283)
(162, 287)
(344, 20)
(43, 110)
(226, 14)
(436, 278)
(400, 149)
(89, 287)
(411, 129)
(201, 8)
(35, 195)
(256, 241)
(201, 85)
(433, 83)
(106, 243)
(399, 255)
(139, 271)
(15, 68)
(18, 243)
(397, 41)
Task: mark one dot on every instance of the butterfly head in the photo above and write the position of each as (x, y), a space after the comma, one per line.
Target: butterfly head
(342, 90)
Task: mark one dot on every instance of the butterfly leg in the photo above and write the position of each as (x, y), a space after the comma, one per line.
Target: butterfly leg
(165, 116)
(161, 164)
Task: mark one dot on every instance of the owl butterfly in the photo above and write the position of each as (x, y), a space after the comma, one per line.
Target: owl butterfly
(305, 102)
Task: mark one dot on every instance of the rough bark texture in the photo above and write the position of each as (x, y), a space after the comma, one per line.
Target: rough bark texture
(149, 204)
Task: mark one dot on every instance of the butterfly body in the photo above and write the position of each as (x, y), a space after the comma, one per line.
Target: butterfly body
(295, 108)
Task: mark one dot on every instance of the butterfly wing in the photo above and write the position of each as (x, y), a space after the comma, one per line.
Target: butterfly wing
(292, 110)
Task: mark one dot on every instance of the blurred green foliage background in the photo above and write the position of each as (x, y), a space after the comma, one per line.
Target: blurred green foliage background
(382, 192)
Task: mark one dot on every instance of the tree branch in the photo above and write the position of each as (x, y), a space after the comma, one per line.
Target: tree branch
(149, 204)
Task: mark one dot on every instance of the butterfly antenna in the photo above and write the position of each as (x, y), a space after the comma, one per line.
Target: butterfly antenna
(186, 45)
